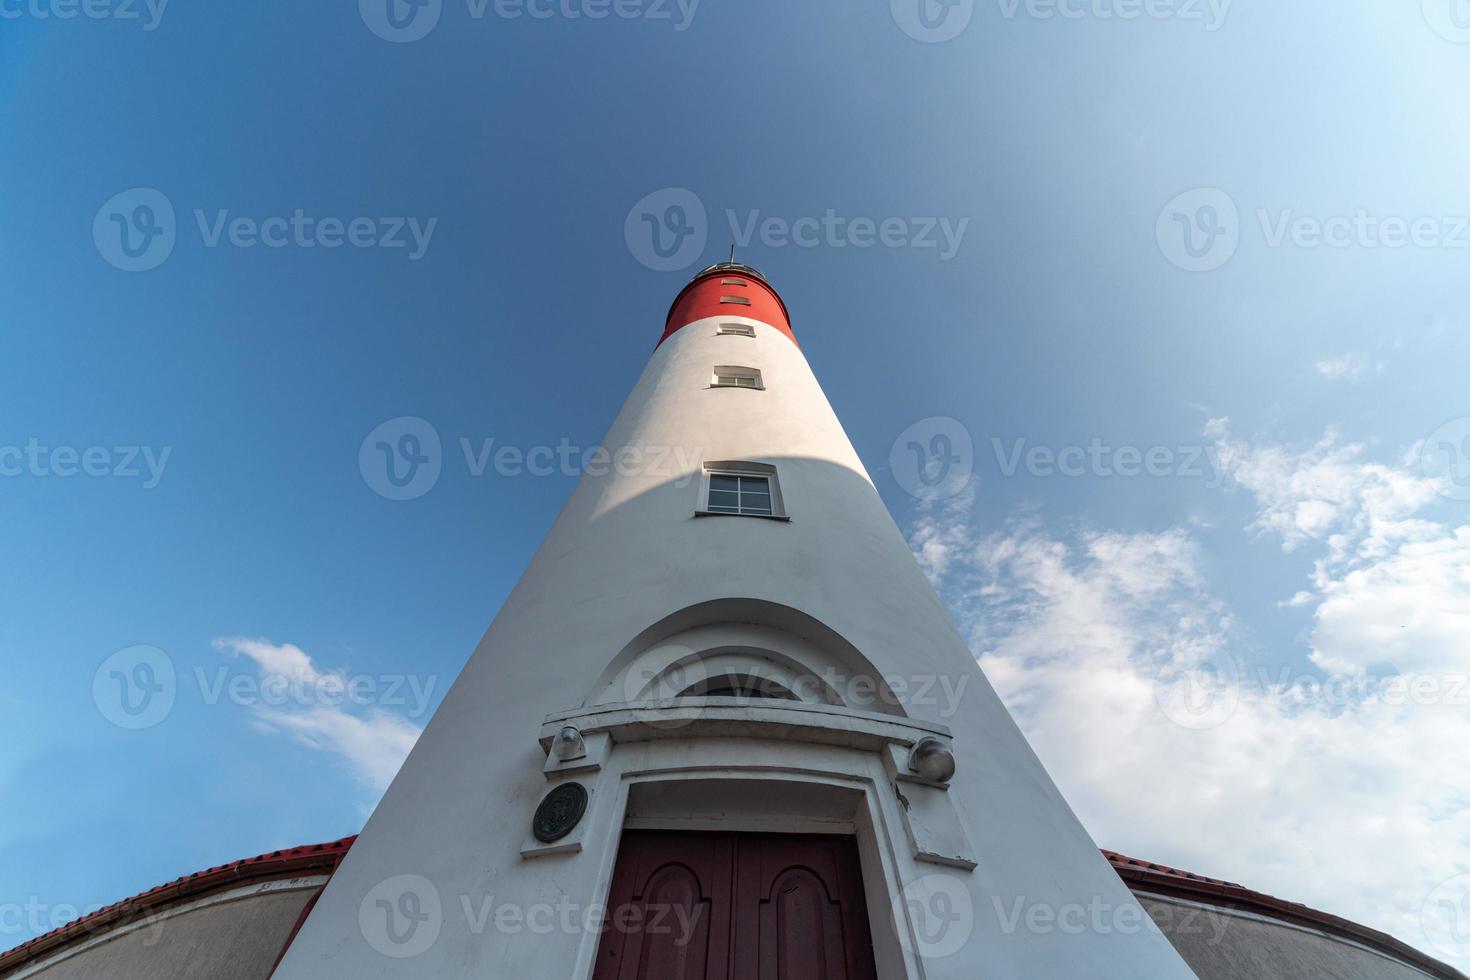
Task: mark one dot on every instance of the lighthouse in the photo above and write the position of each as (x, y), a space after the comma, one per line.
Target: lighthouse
(723, 727)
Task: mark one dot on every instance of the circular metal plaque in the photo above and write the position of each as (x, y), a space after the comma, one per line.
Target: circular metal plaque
(559, 812)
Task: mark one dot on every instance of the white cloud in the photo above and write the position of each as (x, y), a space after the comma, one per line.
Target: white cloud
(1408, 608)
(1348, 367)
(1352, 797)
(1313, 494)
(324, 710)
(284, 659)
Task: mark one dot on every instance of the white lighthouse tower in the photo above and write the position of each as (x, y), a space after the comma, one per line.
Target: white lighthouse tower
(724, 728)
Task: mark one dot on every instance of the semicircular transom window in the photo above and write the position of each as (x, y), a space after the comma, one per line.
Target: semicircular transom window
(743, 686)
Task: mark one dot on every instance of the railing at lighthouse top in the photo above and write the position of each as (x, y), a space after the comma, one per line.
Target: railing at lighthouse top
(737, 268)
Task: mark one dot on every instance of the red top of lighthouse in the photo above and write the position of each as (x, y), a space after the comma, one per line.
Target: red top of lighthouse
(731, 289)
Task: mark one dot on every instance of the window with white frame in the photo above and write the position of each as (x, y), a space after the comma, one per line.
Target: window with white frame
(743, 489)
(736, 330)
(734, 376)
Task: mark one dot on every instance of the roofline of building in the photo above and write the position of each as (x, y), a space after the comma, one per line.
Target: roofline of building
(322, 858)
(1158, 879)
(1144, 876)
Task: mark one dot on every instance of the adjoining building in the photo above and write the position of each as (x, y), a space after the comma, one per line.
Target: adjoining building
(235, 921)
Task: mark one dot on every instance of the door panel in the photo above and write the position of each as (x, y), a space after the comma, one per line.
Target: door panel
(735, 907)
(799, 910)
(667, 913)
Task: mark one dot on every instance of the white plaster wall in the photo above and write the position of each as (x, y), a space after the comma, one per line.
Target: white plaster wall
(627, 551)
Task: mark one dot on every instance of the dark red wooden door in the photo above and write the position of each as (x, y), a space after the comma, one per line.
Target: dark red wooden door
(735, 907)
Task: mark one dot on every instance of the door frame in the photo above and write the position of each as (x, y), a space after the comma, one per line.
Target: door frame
(838, 791)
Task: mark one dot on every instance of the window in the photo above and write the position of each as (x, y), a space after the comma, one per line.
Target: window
(743, 686)
(738, 300)
(730, 376)
(736, 330)
(733, 282)
(743, 489)
(738, 493)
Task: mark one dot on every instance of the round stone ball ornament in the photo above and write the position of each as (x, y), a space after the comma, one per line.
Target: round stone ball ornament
(559, 812)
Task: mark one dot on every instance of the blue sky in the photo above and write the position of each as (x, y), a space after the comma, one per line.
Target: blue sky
(498, 163)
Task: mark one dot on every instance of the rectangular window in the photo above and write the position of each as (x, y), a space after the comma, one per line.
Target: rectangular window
(740, 493)
(736, 330)
(730, 376)
(741, 488)
(737, 300)
(733, 282)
